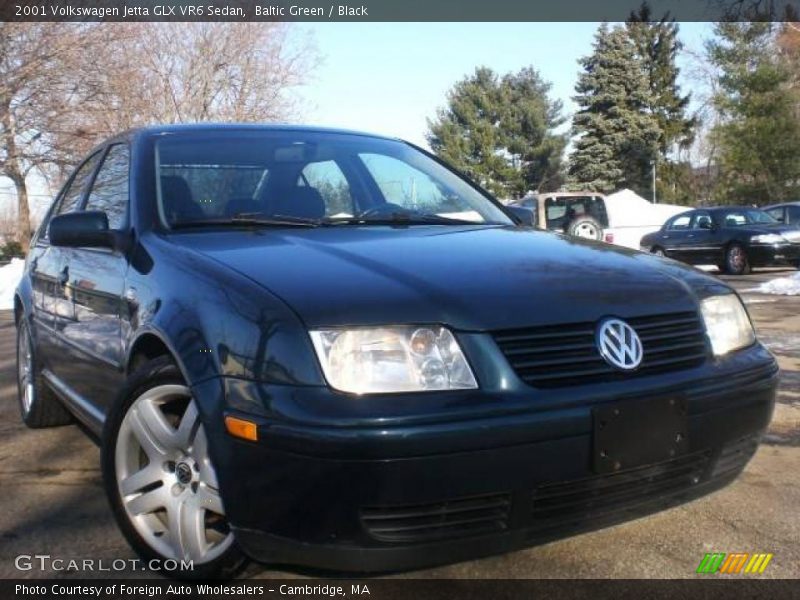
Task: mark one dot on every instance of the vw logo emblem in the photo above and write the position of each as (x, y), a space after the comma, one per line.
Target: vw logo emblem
(619, 344)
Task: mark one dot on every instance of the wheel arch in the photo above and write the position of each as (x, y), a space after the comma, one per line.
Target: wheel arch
(19, 309)
(148, 345)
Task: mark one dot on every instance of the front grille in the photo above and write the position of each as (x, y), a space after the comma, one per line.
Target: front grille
(462, 517)
(563, 355)
(734, 455)
(564, 503)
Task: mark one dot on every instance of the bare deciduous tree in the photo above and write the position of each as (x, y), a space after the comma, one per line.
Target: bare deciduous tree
(192, 72)
(66, 86)
(37, 85)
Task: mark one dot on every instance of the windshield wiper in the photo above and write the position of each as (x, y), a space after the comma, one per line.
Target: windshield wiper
(398, 218)
(250, 219)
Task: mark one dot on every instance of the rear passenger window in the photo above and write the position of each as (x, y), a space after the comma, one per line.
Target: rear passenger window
(793, 215)
(561, 211)
(110, 188)
(72, 196)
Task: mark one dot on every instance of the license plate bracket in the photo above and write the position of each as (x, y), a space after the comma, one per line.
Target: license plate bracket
(632, 433)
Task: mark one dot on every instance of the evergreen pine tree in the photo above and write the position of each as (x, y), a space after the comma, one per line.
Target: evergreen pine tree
(500, 131)
(617, 135)
(657, 46)
(758, 135)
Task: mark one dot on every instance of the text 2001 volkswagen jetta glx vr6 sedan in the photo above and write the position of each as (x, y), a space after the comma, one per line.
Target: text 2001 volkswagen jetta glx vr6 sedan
(326, 348)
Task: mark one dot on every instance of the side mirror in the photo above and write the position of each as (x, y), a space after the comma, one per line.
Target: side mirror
(87, 229)
(521, 215)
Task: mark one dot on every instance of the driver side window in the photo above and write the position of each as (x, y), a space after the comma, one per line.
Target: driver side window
(71, 196)
(701, 220)
(776, 213)
(110, 188)
(680, 223)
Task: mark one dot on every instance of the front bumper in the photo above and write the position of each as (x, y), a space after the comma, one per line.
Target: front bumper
(382, 499)
(765, 255)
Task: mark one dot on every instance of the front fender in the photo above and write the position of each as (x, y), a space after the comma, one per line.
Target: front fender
(217, 322)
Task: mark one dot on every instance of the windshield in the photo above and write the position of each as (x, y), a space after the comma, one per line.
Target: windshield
(739, 218)
(286, 178)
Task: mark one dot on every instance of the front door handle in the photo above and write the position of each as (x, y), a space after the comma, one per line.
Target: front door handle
(63, 277)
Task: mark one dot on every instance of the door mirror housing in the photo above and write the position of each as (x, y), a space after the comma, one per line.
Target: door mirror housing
(521, 215)
(85, 229)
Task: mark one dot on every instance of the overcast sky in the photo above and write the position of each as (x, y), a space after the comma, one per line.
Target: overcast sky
(389, 78)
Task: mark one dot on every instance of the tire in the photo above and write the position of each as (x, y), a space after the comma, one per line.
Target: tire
(658, 251)
(585, 227)
(736, 262)
(155, 448)
(39, 407)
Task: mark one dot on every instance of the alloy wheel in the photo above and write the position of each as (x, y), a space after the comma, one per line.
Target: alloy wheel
(736, 259)
(165, 478)
(25, 369)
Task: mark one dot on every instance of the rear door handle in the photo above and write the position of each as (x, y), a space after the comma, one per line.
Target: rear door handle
(63, 277)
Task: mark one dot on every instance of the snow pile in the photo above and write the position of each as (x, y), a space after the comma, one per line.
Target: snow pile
(783, 286)
(9, 279)
(626, 208)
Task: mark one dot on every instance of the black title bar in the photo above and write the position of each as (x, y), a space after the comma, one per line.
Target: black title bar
(710, 588)
(393, 10)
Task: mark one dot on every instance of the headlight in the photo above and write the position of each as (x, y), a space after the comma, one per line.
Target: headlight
(727, 324)
(392, 359)
(768, 238)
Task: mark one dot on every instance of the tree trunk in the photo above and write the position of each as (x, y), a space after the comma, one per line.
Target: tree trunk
(13, 170)
(23, 210)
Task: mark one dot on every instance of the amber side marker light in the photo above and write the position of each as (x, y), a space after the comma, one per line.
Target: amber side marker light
(241, 428)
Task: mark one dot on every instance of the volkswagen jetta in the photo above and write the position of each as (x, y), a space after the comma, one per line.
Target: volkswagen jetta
(327, 348)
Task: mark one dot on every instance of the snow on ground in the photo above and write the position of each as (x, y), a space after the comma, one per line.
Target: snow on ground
(784, 286)
(9, 278)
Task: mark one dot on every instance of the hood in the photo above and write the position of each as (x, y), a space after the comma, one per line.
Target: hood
(470, 278)
(790, 233)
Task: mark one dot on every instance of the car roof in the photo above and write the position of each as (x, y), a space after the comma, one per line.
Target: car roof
(782, 204)
(568, 194)
(727, 208)
(206, 127)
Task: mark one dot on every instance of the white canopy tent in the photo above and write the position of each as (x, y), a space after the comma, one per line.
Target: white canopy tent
(630, 217)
